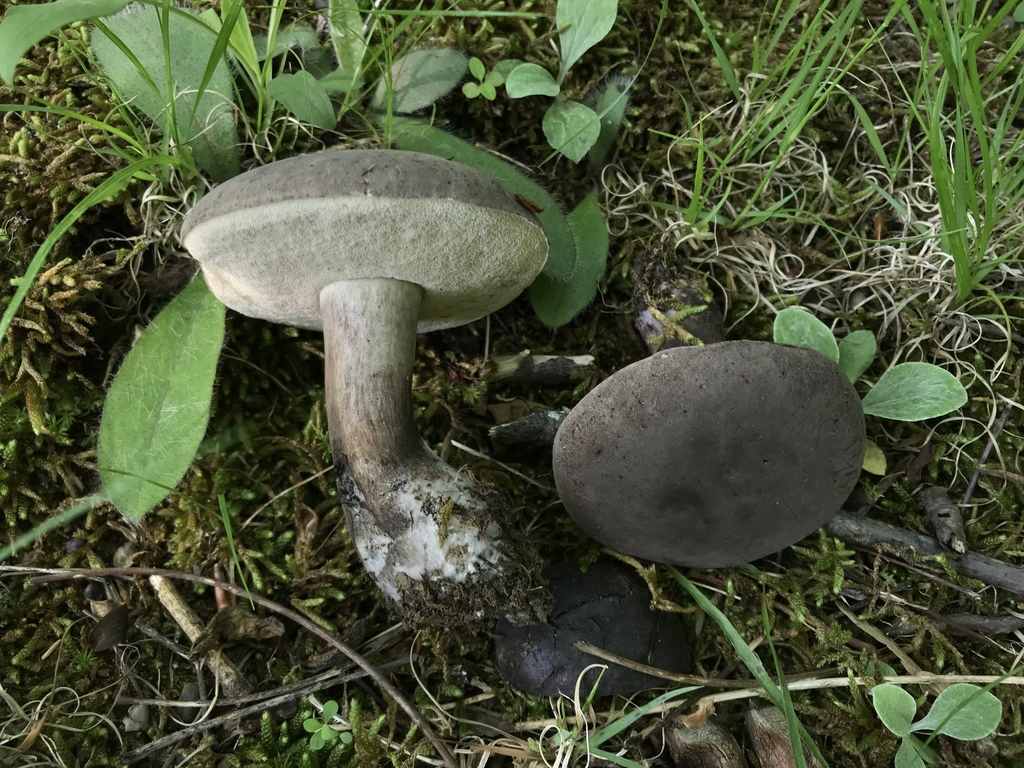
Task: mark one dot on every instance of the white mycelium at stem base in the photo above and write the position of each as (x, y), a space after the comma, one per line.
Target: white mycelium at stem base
(419, 525)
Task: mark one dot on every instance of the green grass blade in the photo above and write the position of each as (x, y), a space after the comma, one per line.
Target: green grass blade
(76, 510)
(747, 656)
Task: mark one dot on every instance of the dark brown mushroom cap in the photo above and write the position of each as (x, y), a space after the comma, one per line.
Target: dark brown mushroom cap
(271, 239)
(608, 606)
(712, 456)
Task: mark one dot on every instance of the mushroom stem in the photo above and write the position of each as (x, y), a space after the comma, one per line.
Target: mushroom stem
(424, 532)
(370, 347)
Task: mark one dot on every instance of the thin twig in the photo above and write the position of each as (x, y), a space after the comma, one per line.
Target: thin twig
(813, 685)
(298, 689)
(1000, 423)
(59, 574)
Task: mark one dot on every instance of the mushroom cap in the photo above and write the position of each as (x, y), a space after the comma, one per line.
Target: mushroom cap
(270, 239)
(711, 456)
(608, 606)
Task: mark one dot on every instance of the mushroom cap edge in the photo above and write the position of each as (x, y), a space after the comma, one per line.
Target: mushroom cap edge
(455, 231)
(710, 492)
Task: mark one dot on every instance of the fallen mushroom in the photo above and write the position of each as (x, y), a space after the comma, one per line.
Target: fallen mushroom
(607, 606)
(374, 246)
(713, 455)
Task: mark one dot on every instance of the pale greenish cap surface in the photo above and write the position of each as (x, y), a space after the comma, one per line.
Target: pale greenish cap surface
(271, 239)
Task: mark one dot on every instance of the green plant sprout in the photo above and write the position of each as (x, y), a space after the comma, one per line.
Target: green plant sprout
(905, 392)
(487, 82)
(962, 711)
(570, 127)
(321, 732)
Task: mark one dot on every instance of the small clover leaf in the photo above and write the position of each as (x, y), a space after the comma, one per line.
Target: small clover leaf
(488, 81)
(320, 730)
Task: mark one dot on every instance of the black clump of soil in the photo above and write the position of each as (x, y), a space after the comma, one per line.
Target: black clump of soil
(608, 607)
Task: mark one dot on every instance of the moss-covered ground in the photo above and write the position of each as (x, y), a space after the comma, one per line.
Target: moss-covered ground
(267, 445)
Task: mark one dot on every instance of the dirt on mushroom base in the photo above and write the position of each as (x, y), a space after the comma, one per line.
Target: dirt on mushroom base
(455, 534)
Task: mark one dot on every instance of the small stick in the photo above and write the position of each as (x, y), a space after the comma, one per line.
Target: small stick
(60, 574)
(946, 518)
(869, 533)
(544, 370)
(310, 685)
(1000, 423)
(232, 681)
(533, 430)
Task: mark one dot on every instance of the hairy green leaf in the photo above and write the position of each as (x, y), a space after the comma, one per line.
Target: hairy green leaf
(799, 328)
(304, 97)
(571, 128)
(609, 101)
(204, 123)
(556, 302)
(909, 754)
(914, 391)
(346, 28)
(895, 707)
(530, 80)
(156, 412)
(25, 25)
(419, 79)
(963, 711)
(584, 23)
(856, 352)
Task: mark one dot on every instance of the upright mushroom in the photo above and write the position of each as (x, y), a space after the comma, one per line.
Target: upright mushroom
(374, 246)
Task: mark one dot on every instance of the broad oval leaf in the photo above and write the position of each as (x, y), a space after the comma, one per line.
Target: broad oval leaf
(304, 97)
(963, 711)
(799, 328)
(856, 352)
(556, 302)
(330, 710)
(895, 707)
(530, 80)
(584, 23)
(571, 128)
(203, 122)
(477, 68)
(420, 78)
(157, 408)
(914, 391)
(25, 25)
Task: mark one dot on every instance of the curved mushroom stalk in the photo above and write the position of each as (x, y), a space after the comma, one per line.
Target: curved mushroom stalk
(433, 539)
